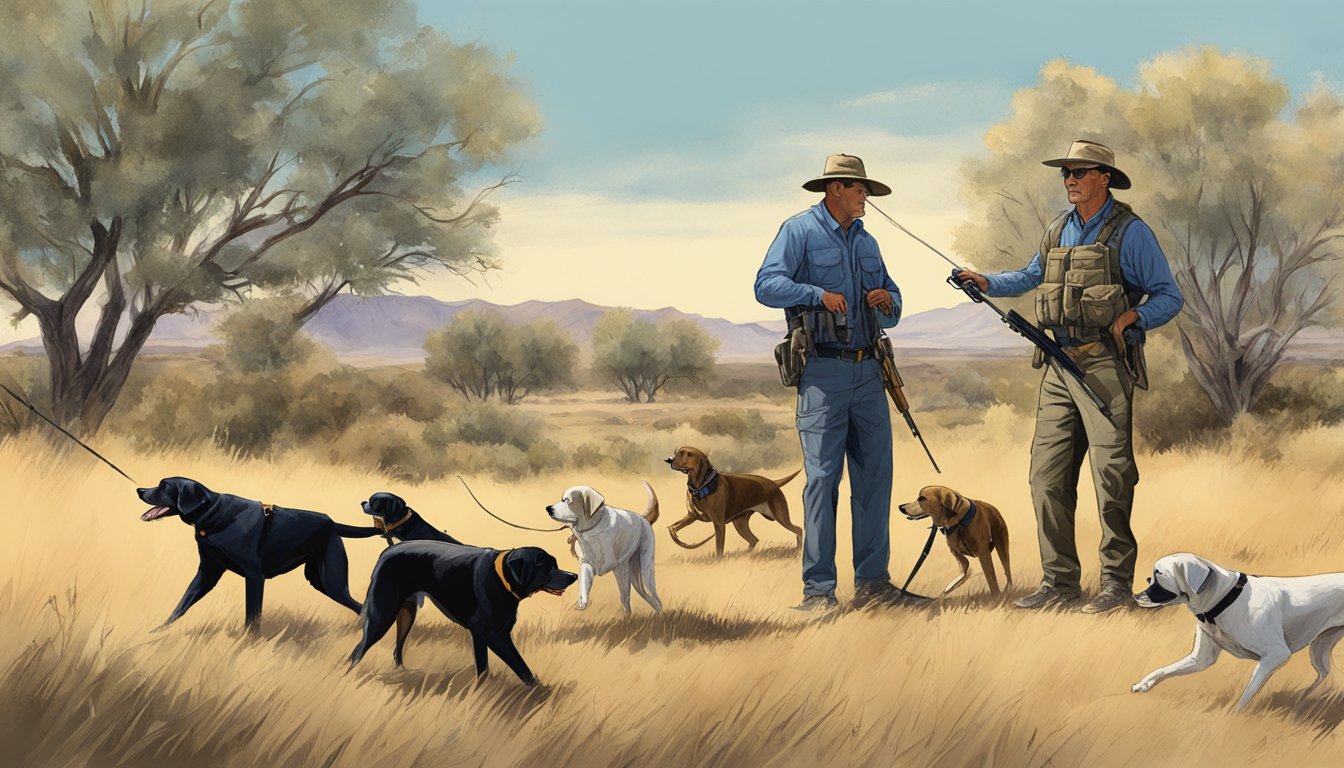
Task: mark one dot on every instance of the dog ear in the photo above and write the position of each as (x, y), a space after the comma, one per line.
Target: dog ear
(192, 497)
(591, 501)
(1196, 574)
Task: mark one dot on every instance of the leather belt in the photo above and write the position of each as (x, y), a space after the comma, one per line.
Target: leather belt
(852, 355)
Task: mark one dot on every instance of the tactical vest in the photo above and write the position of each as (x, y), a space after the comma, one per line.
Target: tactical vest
(1081, 291)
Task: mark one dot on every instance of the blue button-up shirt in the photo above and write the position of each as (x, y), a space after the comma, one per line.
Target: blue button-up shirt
(1143, 267)
(811, 254)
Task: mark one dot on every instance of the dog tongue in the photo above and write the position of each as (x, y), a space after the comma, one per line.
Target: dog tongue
(154, 514)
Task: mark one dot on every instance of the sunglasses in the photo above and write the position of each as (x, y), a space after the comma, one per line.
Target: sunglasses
(1077, 173)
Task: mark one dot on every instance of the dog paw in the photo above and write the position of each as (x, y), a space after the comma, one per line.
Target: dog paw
(1143, 686)
(582, 605)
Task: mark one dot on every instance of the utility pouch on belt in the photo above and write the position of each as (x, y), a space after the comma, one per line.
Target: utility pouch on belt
(791, 354)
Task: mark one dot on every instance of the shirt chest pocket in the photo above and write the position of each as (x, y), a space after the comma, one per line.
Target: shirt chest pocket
(872, 272)
(826, 268)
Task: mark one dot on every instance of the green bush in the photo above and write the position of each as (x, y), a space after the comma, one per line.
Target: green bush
(747, 425)
(1176, 415)
(485, 423)
(971, 387)
(587, 455)
(1302, 399)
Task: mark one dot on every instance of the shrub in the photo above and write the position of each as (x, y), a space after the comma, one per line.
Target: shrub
(971, 387)
(481, 423)
(746, 425)
(1176, 415)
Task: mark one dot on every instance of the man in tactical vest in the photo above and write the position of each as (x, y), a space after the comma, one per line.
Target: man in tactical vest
(1101, 280)
(826, 271)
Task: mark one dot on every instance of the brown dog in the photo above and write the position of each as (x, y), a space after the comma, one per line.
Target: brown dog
(722, 498)
(973, 528)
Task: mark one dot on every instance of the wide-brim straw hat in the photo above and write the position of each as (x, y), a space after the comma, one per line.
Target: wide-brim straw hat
(845, 168)
(1091, 152)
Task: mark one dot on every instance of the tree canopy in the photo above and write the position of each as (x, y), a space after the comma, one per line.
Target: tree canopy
(157, 156)
(481, 356)
(642, 356)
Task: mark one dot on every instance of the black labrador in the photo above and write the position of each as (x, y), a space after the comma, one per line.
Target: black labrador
(477, 588)
(254, 540)
(395, 520)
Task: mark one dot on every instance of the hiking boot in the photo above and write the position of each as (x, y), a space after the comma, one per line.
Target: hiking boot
(817, 604)
(1048, 595)
(1112, 596)
(883, 594)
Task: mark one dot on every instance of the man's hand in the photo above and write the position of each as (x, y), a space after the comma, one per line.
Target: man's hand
(1126, 319)
(965, 276)
(880, 299)
(835, 302)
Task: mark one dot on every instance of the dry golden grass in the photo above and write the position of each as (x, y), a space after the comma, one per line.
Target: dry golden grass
(728, 675)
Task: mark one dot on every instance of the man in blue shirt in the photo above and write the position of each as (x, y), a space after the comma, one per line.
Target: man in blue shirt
(1099, 270)
(824, 269)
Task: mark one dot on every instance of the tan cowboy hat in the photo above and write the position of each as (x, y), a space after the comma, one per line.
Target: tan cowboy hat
(845, 168)
(1084, 151)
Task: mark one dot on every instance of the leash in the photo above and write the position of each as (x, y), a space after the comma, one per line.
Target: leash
(81, 443)
(928, 545)
(502, 520)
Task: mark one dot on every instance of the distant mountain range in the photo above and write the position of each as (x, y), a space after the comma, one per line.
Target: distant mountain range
(392, 329)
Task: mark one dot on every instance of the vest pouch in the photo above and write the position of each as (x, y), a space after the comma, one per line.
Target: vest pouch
(1050, 305)
(1056, 260)
(1088, 269)
(1100, 305)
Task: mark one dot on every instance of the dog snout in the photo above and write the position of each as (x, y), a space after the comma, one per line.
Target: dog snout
(1154, 596)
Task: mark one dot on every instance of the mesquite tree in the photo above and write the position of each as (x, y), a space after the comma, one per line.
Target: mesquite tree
(642, 356)
(156, 156)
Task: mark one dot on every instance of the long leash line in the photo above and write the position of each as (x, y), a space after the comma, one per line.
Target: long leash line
(921, 240)
(928, 545)
(502, 520)
(81, 443)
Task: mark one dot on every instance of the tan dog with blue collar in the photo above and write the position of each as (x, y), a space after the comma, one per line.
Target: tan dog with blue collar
(973, 529)
(723, 498)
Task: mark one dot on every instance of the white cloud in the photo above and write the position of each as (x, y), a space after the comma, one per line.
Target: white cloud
(906, 95)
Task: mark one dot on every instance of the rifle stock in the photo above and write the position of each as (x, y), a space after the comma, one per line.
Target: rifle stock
(891, 379)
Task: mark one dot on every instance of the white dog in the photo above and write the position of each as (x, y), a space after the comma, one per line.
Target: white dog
(1251, 617)
(611, 539)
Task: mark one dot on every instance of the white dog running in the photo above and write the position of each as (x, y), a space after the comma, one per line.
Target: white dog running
(611, 539)
(1251, 617)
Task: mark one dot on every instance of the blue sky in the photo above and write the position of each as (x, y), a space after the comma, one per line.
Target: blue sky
(677, 133)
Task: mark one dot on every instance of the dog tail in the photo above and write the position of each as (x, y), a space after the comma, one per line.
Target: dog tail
(651, 512)
(790, 477)
(356, 531)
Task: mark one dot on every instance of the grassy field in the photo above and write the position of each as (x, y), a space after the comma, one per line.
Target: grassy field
(727, 675)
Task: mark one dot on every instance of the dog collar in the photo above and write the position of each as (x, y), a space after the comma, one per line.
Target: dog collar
(499, 570)
(963, 522)
(389, 528)
(711, 485)
(1228, 599)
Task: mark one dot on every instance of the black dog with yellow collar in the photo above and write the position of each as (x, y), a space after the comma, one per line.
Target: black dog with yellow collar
(396, 520)
(477, 588)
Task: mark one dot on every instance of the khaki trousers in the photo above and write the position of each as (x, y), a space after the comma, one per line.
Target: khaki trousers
(1068, 427)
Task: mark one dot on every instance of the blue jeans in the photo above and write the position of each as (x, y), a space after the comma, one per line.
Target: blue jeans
(843, 414)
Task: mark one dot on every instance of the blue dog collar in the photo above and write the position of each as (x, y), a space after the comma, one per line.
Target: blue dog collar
(963, 522)
(711, 485)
